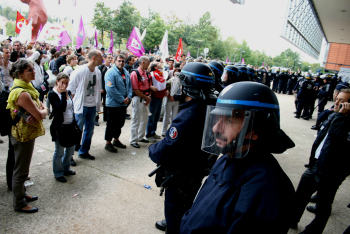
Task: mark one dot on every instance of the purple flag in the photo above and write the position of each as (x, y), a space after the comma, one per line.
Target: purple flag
(96, 42)
(226, 59)
(188, 54)
(229, 61)
(81, 34)
(111, 44)
(243, 62)
(64, 39)
(134, 44)
(150, 52)
(264, 64)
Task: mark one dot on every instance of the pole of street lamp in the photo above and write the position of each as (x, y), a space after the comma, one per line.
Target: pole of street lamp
(234, 60)
(198, 51)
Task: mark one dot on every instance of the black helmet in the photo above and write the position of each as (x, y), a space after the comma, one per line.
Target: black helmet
(218, 69)
(255, 108)
(230, 75)
(251, 73)
(197, 79)
(243, 74)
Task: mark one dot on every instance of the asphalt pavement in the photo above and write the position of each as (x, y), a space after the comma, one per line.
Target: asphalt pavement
(107, 195)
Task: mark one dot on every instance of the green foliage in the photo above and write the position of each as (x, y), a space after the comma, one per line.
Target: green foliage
(102, 18)
(10, 28)
(155, 33)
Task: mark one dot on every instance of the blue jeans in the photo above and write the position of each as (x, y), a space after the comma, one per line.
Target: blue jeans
(87, 118)
(61, 159)
(155, 108)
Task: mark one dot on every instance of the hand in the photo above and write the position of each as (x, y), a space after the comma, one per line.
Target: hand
(172, 98)
(345, 108)
(102, 91)
(61, 87)
(148, 100)
(31, 119)
(154, 89)
(127, 100)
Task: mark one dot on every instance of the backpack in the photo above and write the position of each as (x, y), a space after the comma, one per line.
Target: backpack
(6, 122)
(139, 77)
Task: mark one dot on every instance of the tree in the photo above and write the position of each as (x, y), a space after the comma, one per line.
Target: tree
(155, 33)
(102, 18)
(125, 18)
(10, 28)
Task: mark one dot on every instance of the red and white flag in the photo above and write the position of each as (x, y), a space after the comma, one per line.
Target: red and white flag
(179, 51)
(20, 22)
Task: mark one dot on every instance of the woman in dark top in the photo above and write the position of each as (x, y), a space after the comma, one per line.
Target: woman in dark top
(62, 106)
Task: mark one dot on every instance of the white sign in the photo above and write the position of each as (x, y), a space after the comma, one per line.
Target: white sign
(206, 50)
(344, 73)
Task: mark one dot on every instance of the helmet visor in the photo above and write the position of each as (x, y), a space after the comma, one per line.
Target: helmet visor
(227, 131)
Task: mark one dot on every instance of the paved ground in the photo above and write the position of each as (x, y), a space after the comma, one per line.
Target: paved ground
(107, 195)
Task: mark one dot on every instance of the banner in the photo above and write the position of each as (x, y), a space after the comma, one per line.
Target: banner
(64, 39)
(179, 51)
(25, 36)
(243, 62)
(163, 48)
(111, 44)
(134, 44)
(188, 54)
(81, 34)
(20, 22)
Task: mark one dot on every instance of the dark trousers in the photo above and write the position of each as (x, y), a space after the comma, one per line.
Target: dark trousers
(282, 87)
(322, 102)
(115, 122)
(176, 203)
(327, 189)
(10, 164)
(155, 107)
(303, 105)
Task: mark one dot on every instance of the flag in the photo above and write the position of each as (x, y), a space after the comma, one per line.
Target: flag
(40, 29)
(64, 39)
(150, 52)
(179, 51)
(134, 44)
(263, 64)
(25, 36)
(74, 2)
(188, 54)
(243, 62)
(96, 42)
(20, 22)
(45, 33)
(229, 61)
(81, 34)
(163, 48)
(226, 59)
(143, 35)
(111, 44)
(59, 2)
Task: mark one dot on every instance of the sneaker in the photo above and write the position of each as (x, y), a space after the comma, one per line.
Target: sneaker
(151, 139)
(156, 136)
(96, 123)
(144, 140)
(119, 144)
(86, 156)
(110, 148)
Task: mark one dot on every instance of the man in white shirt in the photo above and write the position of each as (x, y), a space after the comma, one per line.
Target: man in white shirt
(85, 85)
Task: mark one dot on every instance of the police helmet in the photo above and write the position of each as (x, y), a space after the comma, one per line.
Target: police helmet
(251, 73)
(307, 76)
(230, 75)
(197, 80)
(246, 115)
(243, 76)
(218, 70)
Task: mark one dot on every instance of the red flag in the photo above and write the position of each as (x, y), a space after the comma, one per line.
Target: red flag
(20, 21)
(179, 51)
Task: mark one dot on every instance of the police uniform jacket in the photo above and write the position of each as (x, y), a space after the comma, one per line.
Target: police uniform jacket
(246, 195)
(181, 147)
(334, 160)
(306, 90)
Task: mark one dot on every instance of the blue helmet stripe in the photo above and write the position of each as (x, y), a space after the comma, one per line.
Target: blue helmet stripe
(243, 71)
(194, 74)
(217, 69)
(231, 70)
(248, 103)
(204, 80)
(251, 73)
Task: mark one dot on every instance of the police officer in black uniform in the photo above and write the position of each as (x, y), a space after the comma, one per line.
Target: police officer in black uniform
(276, 81)
(324, 93)
(304, 98)
(283, 79)
(183, 164)
(218, 69)
(317, 85)
(230, 76)
(251, 74)
(260, 74)
(292, 82)
(269, 77)
(243, 74)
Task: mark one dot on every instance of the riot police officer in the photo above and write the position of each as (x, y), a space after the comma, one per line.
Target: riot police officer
(324, 93)
(304, 98)
(317, 85)
(283, 79)
(260, 74)
(243, 73)
(292, 82)
(251, 74)
(218, 70)
(276, 81)
(269, 78)
(182, 163)
(230, 76)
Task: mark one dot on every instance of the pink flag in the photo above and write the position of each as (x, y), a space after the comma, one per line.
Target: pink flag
(41, 28)
(188, 54)
(263, 64)
(64, 39)
(229, 61)
(150, 52)
(74, 2)
(243, 62)
(81, 34)
(226, 59)
(111, 44)
(96, 42)
(134, 44)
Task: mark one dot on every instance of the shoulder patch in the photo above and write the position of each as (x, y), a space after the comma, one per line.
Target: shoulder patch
(173, 133)
(109, 84)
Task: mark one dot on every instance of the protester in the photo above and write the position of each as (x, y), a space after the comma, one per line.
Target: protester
(16, 54)
(5, 68)
(85, 85)
(23, 134)
(72, 61)
(63, 117)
